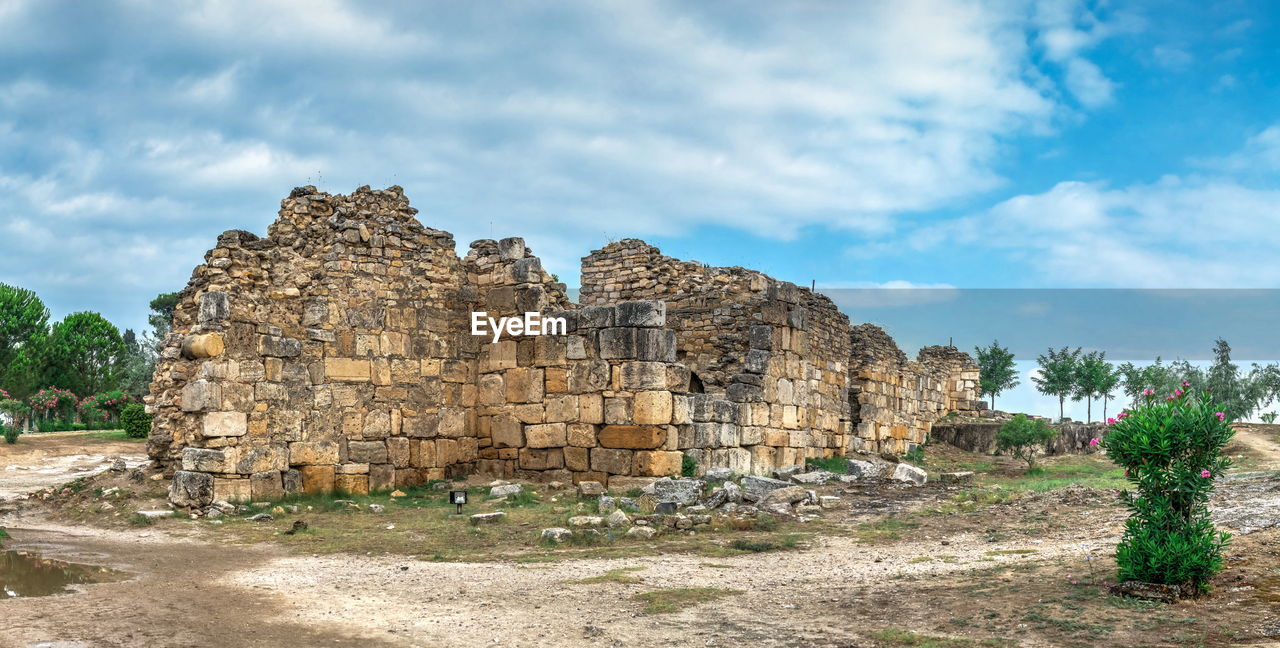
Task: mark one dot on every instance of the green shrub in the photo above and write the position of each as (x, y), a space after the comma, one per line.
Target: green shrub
(1269, 418)
(837, 465)
(10, 432)
(1022, 437)
(136, 421)
(688, 466)
(1171, 451)
(915, 454)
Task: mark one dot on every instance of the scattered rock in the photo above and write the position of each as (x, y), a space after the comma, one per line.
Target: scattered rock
(718, 474)
(617, 519)
(487, 518)
(607, 505)
(582, 521)
(1149, 591)
(590, 489)
(815, 477)
(154, 515)
(556, 535)
(642, 532)
(859, 469)
(505, 490)
(119, 465)
(679, 491)
(754, 487)
(398, 493)
(910, 474)
(785, 472)
(666, 508)
(962, 477)
(780, 500)
(261, 517)
(376, 508)
(828, 501)
(298, 525)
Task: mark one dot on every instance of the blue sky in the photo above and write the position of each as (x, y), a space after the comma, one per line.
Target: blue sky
(969, 144)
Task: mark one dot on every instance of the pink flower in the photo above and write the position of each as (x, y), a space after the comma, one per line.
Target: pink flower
(1186, 384)
(1177, 392)
(1148, 392)
(1094, 441)
(1206, 474)
(1221, 416)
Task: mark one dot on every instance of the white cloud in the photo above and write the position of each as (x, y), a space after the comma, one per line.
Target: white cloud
(1193, 231)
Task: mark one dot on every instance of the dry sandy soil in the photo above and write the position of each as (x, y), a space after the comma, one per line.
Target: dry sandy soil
(886, 570)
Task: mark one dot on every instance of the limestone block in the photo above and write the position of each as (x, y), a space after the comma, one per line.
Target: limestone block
(425, 426)
(263, 459)
(510, 249)
(201, 395)
(317, 479)
(215, 308)
(652, 408)
(422, 453)
(207, 460)
(608, 460)
(632, 437)
(582, 435)
(644, 375)
(562, 409)
(492, 390)
(231, 490)
(353, 484)
(292, 481)
(377, 424)
(207, 345)
(446, 452)
(278, 346)
(657, 464)
(304, 453)
(191, 489)
(398, 452)
(588, 376)
(617, 411)
(650, 313)
(549, 435)
(382, 477)
(524, 385)
(591, 408)
(225, 424)
(367, 451)
(266, 486)
(657, 345)
(506, 431)
(596, 316)
(347, 369)
(541, 458)
(577, 459)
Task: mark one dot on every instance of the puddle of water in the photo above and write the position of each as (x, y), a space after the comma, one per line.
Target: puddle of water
(25, 573)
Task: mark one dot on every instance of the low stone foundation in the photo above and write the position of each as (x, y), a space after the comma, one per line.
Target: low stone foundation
(1073, 438)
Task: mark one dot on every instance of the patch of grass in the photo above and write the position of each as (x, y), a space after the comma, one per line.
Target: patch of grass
(140, 520)
(788, 541)
(897, 637)
(885, 530)
(975, 499)
(1069, 626)
(1087, 470)
(622, 576)
(665, 601)
(837, 465)
(517, 500)
(114, 435)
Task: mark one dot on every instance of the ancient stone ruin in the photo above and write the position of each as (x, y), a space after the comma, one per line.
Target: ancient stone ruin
(337, 353)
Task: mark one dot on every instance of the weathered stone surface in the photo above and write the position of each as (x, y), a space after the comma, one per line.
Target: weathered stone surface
(641, 532)
(313, 453)
(205, 460)
(487, 518)
(718, 474)
(614, 462)
(910, 474)
(191, 489)
(814, 477)
(865, 469)
(556, 535)
(225, 424)
(754, 488)
(632, 437)
(679, 491)
(961, 477)
(585, 521)
(590, 489)
(207, 345)
(505, 490)
(617, 519)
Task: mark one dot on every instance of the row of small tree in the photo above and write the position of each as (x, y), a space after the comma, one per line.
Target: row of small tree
(1079, 375)
(81, 354)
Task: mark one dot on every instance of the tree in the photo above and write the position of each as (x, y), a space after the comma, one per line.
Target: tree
(997, 371)
(1057, 375)
(1091, 373)
(161, 319)
(24, 321)
(85, 353)
(1023, 437)
(1109, 383)
(138, 365)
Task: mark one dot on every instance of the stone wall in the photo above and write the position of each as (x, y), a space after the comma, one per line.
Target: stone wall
(1073, 438)
(336, 352)
(894, 402)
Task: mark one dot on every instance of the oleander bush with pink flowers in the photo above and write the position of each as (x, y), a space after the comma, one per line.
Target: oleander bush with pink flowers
(1171, 450)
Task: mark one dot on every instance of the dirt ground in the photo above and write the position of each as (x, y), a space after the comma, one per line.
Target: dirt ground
(891, 567)
(40, 460)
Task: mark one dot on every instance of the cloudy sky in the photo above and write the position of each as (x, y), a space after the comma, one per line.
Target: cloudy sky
(972, 144)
